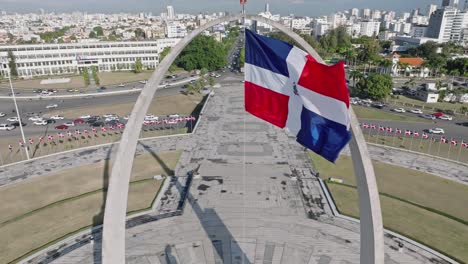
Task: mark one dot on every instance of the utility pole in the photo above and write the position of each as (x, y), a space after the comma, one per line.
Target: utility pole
(19, 118)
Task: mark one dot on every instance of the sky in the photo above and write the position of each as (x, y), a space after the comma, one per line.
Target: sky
(283, 7)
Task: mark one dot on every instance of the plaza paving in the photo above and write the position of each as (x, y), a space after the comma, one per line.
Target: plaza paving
(246, 205)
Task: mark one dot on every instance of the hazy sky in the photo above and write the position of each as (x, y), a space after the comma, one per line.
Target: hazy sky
(297, 7)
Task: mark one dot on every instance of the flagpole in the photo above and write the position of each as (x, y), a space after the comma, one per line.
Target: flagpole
(17, 113)
(1, 158)
(394, 137)
(430, 144)
(459, 151)
(438, 149)
(450, 147)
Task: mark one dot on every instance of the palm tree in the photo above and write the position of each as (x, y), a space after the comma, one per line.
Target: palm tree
(356, 76)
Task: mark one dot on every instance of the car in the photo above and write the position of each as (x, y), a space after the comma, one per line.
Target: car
(70, 90)
(17, 124)
(47, 93)
(110, 118)
(368, 101)
(16, 93)
(121, 85)
(6, 127)
(2, 114)
(50, 106)
(437, 130)
(173, 116)
(127, 117)
(109, 115)
(13, 119)
(40, 123)
(416, 111)
(85, 116)
(50, 121)
(69, 123)
(62, 127)
(445, 117)
(143, 82)
(78, 121)
(113, 122)
(379, 105)
(151, 117)
(399, 110)
(57, 117)
(103, 88)
(97, 124)
(35, 118)
(463, 124)
(427, 116)
(438, 114)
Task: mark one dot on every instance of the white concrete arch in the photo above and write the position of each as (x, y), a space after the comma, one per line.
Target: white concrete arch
(113, 241)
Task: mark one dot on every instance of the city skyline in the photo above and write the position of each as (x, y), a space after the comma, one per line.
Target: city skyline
(297, 7)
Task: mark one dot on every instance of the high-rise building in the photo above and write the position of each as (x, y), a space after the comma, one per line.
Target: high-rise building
(355, 12)
(431, 9)
(267, 7)
(448, 24)
(376, 14)
(170, 13)
(452, 3)
(370, 28)
(366, 13)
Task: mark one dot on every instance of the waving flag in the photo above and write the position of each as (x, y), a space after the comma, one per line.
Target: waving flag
(286, 87)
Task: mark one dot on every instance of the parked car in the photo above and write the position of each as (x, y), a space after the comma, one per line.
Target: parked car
(35, 118)
(51, 106)
(2, 114)
(13, 119)
(62, 127)
(50, 121)
(57, 117)
(438, 114)
(85, 116)
(17, 124)
(126, 117)
(111, 118)
(108, 115)
(173, 116)
(437, 130)
(97, 124)
(428, 116)
(40, 123)
(69, 123)
(6, 127)
(121, 85)
(113, 122)
(379, 105)
(445, 117)
(399, 110)
(91, 120)
(416, 111)
(78, 121)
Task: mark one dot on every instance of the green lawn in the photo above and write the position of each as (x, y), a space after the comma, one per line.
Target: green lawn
(438, 232)
(428, 107)
(44, 209)
(414, 203)
(371, 113)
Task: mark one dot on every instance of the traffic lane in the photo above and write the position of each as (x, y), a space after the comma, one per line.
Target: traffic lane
(32, 131)
(455, 131)
(39, 105)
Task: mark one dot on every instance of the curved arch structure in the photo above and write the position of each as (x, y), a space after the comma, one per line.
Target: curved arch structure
(113, 240)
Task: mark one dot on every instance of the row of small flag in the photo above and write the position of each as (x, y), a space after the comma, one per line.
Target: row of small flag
(170, 121)
(412, 133)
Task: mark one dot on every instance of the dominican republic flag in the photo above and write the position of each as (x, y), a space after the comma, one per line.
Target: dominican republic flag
(443, 139)
(407, 132)
(416, 134)
(389, 129)
(398, 131)
(373, 126)
(453, 142)
(425, 136)
(464, 144)
(381, 128)
(286, 87)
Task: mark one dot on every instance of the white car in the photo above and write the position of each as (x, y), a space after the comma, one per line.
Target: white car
(428, 117)
(6, 127)
(85, 116)
(172, 121)
(127, 117)
(151, 118)
(416, 111)
(121, 85)
(108, 115)
(173, 116)
(143, 82)
(40, 123)
(367, 101)
(445, 117)
(52, 106)
(35, 118)
(13, 119)
(2, 114)
(399, 110)
(110, 118)
(69, 123)
(57, 117)
(436, 130)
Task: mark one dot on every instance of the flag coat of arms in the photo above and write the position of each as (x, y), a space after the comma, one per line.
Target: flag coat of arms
(288, 88)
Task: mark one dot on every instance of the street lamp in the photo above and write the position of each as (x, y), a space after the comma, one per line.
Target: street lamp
(18, 115)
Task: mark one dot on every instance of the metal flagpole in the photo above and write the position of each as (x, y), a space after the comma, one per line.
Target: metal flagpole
(394, 137)
(450, 147)
(459, 151)
(1, 157)
(438, 149)
(430, 144)
(17, 113)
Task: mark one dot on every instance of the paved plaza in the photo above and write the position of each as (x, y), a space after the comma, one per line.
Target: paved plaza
(253, 199)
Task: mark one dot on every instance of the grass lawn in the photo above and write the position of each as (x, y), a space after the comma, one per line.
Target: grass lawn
(110, 78)
(407, 101)
(48, 208)
(439, 232)
(181, 104)
(370, 113)
(427, 146)
(417, 187)
(76, 82)
(409, 218)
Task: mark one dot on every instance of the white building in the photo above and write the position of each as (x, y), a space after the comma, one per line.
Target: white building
(175, 30)
(355, 12)
(370, 28)
(55, 59)
(431, 9)
(321, 28)
(448, 24)
(170, 12)
(366, 13)
(418, 31)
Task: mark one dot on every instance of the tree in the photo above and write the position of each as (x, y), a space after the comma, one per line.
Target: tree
(375, 86)
(356, 76)
(92, 34)
(138, 67)
(202, 52)
(12, 64)
(98, 30)
(139, 33)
